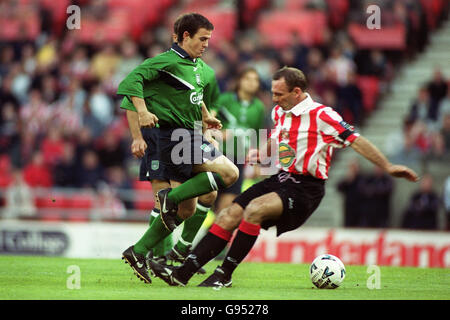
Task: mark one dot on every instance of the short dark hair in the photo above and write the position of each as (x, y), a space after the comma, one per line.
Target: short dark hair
(191, 22)
(294, 78)
(176, 24)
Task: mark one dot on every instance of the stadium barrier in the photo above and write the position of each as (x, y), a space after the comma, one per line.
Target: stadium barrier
(388, 247)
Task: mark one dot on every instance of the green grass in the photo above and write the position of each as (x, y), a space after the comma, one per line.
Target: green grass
(46, 278)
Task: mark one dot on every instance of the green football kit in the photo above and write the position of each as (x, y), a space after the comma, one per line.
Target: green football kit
(173, 86)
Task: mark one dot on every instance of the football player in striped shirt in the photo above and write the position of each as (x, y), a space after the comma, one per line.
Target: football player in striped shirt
(305, 133)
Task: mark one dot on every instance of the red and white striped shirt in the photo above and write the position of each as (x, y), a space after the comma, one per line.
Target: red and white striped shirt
(306, 135)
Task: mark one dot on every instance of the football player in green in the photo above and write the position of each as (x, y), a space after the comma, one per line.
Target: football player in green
(172, 90)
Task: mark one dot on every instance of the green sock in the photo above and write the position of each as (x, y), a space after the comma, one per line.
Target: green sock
(154, 234)
(202, 183)
(162, 247)
(190, 228)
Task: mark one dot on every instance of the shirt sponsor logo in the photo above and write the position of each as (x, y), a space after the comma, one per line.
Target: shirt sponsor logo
(196, 97)
(286, 154)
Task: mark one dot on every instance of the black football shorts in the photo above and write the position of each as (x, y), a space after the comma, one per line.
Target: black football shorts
(300, 195)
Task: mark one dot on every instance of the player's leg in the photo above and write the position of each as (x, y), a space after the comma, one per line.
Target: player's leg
(213, 172)
(226, 196)
(191, 227)
(217, 237)
(211, 176)
(159, 251)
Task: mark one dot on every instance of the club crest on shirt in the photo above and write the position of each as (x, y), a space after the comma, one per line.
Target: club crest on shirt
(286, 154)
(197, 78)
(284, 134)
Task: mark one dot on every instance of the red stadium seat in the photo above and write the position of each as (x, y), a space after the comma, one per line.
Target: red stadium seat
(393, 38)
(370, 88)
(81, 201)
(144, 196)
(279, 26)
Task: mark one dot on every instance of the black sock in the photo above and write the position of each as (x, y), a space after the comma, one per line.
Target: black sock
(241, 246)
(208, 248)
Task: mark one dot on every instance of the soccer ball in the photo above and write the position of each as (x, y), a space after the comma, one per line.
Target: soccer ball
(327, 272)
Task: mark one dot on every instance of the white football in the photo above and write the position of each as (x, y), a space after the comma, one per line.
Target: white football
(327, 272)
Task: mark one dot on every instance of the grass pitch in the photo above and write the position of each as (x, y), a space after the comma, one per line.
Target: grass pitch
(49, 278)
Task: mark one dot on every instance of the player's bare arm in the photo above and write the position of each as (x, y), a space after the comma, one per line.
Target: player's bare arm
(146, 118)
(138, 145)
(209, 121)
(373, 154)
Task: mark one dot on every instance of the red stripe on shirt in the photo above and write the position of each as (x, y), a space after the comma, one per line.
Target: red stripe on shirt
(293, 136)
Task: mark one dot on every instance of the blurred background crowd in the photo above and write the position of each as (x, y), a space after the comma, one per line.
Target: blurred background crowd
(64, 142)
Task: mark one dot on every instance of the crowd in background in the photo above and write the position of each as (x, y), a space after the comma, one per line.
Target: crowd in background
(61, 125)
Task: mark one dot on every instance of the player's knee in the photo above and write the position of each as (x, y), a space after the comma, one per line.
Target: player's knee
(253, 212)
(229, 174)
(186, 209)
(229, 218)
(208, 199)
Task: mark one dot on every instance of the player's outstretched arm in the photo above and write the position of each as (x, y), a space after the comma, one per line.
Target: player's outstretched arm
(138, 144)
(369, 151)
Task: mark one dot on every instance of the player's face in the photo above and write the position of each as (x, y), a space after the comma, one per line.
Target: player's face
(282, 96)
(195, 46)
(249, 82)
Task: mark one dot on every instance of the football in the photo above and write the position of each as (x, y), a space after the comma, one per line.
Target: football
(327, 272)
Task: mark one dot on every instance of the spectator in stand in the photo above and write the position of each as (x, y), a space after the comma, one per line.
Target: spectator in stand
(101, 105)
(447, 203)
(351, 187)
(107, 204)
(341, 65)
(37, 173)
(90, 172)
(400, 144)
(422, 210)
(437, 89)
(5, 171)
(19, 198)
(350, 99)
(6, 60)
(442, 141)
(64, 171)
(104, 63)
(6, 93)
(52, 146)
(36, 114)
(111, 151)
(378, 189)
(10, 127)
(130, 59)
(117, 179)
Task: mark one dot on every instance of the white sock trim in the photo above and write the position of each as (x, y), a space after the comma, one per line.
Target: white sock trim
(212, 181)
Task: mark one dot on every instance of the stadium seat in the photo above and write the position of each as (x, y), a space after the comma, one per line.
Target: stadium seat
(370, 88)
(279, 26)
(144, 196)
(389, 37)
(81, 201)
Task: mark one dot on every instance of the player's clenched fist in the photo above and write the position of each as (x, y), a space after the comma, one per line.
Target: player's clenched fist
(147, 119)
(138, 147)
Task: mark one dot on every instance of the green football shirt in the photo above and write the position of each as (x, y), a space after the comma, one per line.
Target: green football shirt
(239, 116)
(173, 86)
